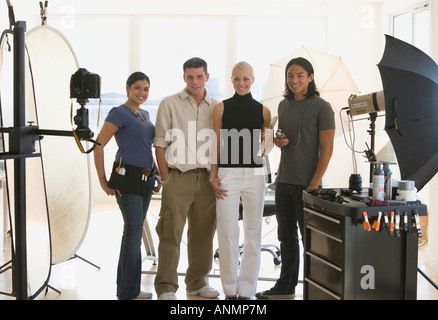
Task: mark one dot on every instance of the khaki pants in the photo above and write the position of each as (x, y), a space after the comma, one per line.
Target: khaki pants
(186, 196)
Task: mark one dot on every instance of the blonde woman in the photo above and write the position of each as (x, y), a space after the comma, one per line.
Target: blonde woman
(238, 175)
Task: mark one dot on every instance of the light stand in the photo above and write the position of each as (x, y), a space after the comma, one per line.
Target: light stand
(22, 140)
(21, 143)
(20, 133)
(372, 132)
(369, 104)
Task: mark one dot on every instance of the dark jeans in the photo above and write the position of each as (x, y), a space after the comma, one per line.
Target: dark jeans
(134, 209)
(289, 211)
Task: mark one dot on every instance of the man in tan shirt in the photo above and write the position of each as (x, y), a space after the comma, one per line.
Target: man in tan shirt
(183, 143)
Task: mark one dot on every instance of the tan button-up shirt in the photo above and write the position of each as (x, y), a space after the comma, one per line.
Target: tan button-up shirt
(185, 130)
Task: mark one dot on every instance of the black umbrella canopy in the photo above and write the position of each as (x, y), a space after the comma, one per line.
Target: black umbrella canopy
(410, 85)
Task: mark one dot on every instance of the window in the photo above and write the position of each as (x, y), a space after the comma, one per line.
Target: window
(165, 44)
(414, 26)
(115, 45)
(263, 41)
(101, 46)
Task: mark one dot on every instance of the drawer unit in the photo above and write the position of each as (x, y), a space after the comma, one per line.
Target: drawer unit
(324, 236)
(344, 261)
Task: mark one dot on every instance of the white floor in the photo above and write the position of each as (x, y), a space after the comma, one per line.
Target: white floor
(78, 280)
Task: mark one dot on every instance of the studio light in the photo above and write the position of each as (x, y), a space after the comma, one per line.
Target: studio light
(366, 104)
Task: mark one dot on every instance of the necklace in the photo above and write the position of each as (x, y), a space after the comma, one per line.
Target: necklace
(299, 125)
(140, 115)
(299, 128)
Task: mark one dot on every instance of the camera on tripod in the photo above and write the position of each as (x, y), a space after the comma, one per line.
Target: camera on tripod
(84, 85)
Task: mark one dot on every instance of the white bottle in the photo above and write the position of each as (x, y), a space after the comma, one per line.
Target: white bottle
(388, 181)
(379, 183)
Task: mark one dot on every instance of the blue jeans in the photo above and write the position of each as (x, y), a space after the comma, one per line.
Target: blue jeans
(289, 212)
(134, 209)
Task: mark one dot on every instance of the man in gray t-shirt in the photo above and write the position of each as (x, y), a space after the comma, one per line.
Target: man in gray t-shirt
(309, 125)
(302, 121)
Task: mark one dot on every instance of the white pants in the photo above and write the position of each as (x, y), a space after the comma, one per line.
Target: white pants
(248, 184)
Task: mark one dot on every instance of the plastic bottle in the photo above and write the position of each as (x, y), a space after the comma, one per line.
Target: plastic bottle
(388, 181)
(378, 182)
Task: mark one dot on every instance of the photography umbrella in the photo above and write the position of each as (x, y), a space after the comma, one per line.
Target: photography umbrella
(410, 84)
(332, 79)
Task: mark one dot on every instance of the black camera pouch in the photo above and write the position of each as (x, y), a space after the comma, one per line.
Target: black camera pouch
(131, 182)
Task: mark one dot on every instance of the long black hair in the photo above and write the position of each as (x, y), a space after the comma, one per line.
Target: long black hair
(312, 91)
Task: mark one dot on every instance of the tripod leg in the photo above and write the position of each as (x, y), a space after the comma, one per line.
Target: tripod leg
(54, 289)
(427, 278)
(76, 256)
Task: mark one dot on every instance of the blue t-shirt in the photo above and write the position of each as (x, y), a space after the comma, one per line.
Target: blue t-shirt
(134, 137)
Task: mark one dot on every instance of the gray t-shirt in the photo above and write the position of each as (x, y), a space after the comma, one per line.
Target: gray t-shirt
(301, 121)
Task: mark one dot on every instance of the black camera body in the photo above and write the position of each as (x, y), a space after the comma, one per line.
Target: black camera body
(84, 85)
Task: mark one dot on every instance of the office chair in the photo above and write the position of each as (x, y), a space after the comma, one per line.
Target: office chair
(274, 250)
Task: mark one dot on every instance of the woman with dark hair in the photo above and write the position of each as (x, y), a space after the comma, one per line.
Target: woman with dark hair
(132, 178)
(308, 123)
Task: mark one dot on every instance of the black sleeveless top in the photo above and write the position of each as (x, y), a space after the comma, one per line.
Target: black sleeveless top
(242, 122)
